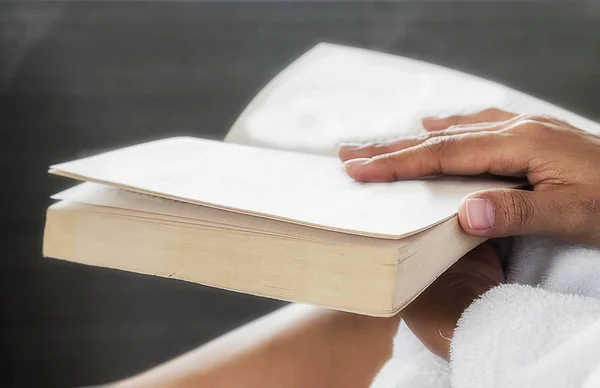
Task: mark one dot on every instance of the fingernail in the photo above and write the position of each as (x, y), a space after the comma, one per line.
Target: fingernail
(348, 146)
(356, 162)
(434, 123)
(480, 213)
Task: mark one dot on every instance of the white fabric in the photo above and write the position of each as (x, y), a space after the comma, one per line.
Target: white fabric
(543, 332)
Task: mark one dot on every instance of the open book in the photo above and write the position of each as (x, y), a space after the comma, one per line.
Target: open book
(275, 215)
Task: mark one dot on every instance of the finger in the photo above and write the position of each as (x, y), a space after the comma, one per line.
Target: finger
(484, 116)
(511, 212)
(354, 151)
(467, 154)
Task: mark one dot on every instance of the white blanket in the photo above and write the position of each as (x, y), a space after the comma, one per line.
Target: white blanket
(542, 329)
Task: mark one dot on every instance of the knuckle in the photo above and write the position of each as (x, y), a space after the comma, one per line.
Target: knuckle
(519, 211)
(436, 147)
(525, 116)
(507, 163)
(530, 127)
(533, 117)
(438, 144)
(490, 113)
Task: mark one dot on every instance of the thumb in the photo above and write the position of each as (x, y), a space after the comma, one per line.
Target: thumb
(509, 212)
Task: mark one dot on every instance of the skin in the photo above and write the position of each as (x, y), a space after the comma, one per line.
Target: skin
(308, 346)
(305, 346)
(433, 316)
(296, 346)
(559, 161)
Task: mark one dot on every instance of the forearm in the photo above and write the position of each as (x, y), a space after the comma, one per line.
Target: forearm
(297, 346)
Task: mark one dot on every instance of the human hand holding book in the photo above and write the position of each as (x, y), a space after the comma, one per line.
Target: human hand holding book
(563, 203)
(558, 159)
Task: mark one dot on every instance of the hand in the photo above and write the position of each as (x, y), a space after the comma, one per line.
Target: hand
(560, 161)
(433, 316)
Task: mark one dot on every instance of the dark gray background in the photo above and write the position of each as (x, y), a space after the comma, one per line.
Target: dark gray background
(80, 77)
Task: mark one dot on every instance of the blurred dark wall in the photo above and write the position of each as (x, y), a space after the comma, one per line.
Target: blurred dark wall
(80, 77)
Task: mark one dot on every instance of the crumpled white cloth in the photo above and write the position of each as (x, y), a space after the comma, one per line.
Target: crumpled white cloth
(542, 329)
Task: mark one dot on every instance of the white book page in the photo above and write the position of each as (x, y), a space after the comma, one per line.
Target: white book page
(336, 93)
(305, 189)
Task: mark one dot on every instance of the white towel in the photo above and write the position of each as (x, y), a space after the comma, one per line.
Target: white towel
(540, 330)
